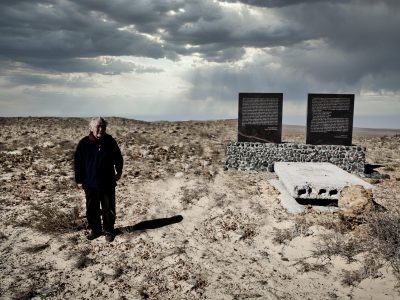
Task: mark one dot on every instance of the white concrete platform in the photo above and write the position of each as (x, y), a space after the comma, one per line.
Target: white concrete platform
(291, 205)
(310, 180)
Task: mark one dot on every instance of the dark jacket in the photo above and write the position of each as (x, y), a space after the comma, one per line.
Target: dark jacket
(97, 161)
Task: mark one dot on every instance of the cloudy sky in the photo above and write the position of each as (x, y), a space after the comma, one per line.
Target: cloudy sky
(186, 59)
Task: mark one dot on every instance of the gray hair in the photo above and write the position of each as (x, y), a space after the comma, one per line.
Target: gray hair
(96, 122)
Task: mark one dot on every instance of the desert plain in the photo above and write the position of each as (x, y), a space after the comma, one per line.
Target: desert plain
(188, 228)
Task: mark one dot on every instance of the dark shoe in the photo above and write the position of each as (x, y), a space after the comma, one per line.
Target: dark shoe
(109, 237)
(93, 235)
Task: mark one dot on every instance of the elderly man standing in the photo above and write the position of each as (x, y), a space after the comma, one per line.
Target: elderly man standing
(98, 166)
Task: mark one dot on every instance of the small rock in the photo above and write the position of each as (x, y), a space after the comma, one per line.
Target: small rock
(48, 144)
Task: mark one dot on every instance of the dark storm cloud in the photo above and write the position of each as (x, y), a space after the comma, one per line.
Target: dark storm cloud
(36, 32)
(42, 31)
(89, 40)
(347, 46)
(205, 26)
(224, 83)
(355, 41)
(330, 44)
(277, 3)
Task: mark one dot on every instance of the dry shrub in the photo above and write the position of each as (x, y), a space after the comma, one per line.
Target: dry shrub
(306, 267)
(118, 272)
(335, 243)
(389, 168)
(36, 248)
(370, 269)
(302, 225)
(247, 231)
(82, 259)
(192, 195)
(352, 278)
(26, 294)
(219, 199)
(339, 223)
(285, 235)
(385, 229)
(335, 222)
(168, 282)
(230, 221)
(145, 249)
(51, 219)
(231, 225)
(206, 134)
(381, 240)
(282, 236)
(40, 170)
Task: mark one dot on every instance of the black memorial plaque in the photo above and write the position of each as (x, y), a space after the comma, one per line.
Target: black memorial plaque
(330, 119)
(260, 117)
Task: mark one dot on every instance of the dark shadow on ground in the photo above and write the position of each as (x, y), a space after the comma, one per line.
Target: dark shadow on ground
(370, 168)
(370, 172)
(318, 202)
(333, 203)
(150, 224)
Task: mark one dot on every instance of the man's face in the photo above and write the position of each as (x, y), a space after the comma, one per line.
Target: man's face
(99, 130)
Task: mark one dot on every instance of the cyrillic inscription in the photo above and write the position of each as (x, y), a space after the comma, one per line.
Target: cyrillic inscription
(330, 119)
(260, 117)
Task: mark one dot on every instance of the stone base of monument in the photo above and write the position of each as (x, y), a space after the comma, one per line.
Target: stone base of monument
(312, 183)
(263, 156)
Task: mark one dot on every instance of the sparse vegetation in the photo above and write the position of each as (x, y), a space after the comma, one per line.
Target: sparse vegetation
(82, 259)
(223, 248)
(36, 248)
(52, 219)
(380, 238)
(285, 235)
(334, 243)
(192, 195)
(305, 267)
(385, 232)
(282, 236)
(25, 294)
(369, 269)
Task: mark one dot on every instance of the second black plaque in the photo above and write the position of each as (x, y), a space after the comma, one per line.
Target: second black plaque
(330, 119)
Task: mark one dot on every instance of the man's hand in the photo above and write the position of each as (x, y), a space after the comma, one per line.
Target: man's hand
(118, 176)
(79, 186)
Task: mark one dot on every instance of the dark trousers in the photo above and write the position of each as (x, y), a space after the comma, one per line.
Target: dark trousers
(104, 199)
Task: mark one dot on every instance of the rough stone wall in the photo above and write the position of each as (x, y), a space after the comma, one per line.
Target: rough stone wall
(262, 156)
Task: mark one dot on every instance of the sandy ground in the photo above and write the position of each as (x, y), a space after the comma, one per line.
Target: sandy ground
(229, 242)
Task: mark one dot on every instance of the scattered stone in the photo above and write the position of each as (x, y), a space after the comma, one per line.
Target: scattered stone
(179, 175)
(48, 144)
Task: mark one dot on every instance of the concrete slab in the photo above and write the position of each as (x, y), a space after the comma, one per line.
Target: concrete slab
(308, 180)
(287, 201)
(291, 205)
